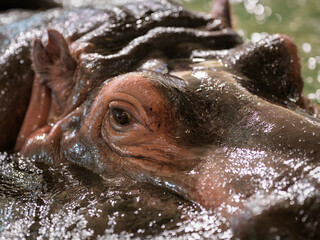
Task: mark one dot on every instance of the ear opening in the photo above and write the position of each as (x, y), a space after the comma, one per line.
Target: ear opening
(41, 59)
(57, 46)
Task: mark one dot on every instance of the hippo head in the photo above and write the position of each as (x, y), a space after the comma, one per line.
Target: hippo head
(223, 126)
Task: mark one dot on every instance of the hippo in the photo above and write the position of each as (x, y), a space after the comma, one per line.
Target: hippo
(166, 96)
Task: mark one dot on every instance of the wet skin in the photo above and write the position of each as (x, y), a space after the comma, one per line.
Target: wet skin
(190, 109)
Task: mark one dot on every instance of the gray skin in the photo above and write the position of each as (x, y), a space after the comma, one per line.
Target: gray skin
(190, 109)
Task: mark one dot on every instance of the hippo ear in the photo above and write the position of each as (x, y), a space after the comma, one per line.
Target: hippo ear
(40, 57)
(221, 10)
(53, 60)
(54, 67)
(272, 66)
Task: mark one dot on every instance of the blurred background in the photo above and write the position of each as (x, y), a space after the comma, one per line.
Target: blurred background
(299, 19)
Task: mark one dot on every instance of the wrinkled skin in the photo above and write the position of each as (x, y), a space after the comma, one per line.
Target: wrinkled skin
(170, 97)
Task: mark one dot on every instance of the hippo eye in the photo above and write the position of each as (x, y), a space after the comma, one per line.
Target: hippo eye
(121, 117)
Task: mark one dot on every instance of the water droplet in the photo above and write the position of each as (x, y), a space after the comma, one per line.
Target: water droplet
(306, 47)
(309, 79)
(312, 63)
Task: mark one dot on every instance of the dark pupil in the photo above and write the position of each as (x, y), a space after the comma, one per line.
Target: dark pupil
(120, 116)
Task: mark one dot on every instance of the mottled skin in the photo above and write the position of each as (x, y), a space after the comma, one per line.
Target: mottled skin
(173, 98)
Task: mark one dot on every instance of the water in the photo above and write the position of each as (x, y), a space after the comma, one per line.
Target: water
(300, 19)
(68, 202)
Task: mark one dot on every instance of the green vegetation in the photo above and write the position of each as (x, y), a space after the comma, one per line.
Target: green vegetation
(299, 19)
